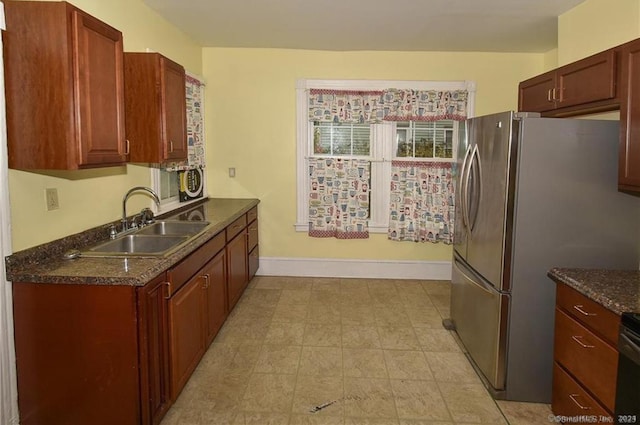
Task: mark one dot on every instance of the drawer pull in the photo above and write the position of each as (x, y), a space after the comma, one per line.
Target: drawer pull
(578, 339)
(166, 297)
(573, 398)
(579, 307)
(205, 285)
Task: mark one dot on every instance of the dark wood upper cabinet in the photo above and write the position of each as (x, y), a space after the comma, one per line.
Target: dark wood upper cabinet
(587, 81)
(64, 88)
(629, 151)
(155, 101)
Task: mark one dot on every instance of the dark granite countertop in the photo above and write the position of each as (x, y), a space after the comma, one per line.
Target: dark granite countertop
(44, 263)
(616, 290)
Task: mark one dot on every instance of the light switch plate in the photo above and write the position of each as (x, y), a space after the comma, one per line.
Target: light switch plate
(51, 198)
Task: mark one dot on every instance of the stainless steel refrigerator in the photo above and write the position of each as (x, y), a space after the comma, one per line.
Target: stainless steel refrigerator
(531, 194)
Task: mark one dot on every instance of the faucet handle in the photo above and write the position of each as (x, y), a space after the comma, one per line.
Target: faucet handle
(146, 216)
(112, 232)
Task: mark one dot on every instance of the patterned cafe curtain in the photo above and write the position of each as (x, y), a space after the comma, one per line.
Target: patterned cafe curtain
(339, 198)
(422, 205)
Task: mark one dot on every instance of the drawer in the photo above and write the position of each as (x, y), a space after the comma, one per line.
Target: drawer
(570, 399)
(589, 359)
(591, 314)
(252, 214)
(182, 272)
(236, 227)
(253, 235)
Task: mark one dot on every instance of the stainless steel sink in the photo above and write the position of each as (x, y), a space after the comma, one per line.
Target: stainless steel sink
(136, 245)
(162, 228)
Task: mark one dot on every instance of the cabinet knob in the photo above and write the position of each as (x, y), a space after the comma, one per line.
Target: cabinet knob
(206, 283)
(168, 284)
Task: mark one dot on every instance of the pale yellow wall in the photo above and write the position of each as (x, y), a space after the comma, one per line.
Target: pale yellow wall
(550, 59)
(91, 198)
(596, 25)
(251, 125)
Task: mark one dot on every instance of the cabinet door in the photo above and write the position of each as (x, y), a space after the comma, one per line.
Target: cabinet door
(215, 274)
(536, 94)
(588, 80)
(629, 151)
(237, 261)
(175, 107)
(99, 88)
(186, 317)
(154, 350)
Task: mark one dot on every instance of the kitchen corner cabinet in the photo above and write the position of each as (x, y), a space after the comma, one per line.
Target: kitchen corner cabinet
(64, 88)
(585, 356)
(588, 81)
(155, 108)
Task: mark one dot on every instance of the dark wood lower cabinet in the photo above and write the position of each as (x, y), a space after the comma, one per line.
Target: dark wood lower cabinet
(186, 332)
(154, 350)
(76, 354)
(237, 260)
(121, 354)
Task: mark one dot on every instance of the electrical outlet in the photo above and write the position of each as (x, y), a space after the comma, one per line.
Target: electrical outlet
(51, 198)
(232, 172)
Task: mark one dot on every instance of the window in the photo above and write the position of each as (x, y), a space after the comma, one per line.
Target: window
(380, 143)
(431, 141)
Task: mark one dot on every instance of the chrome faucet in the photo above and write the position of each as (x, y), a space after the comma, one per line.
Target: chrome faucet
(154, 195)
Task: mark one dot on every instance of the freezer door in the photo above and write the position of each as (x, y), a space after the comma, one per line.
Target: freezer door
(480, 316)
(489, 192)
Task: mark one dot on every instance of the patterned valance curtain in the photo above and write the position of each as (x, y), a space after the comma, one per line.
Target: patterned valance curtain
(348, 106)
(339, 198)
(422, 202)
(195, 127)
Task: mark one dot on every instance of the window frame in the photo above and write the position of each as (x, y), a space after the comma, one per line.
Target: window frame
(382, 151)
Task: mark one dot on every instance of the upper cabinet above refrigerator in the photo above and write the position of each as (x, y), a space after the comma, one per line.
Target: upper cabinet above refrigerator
(155, 108)
(64, 88)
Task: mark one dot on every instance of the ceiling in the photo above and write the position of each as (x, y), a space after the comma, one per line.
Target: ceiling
(342, 25)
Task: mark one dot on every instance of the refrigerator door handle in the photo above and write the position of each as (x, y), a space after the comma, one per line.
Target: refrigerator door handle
(478, 283)
(464, 188)
(475, 159)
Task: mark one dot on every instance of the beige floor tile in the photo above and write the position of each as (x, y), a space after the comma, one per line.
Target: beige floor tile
(321, 361)
(441, 301)
(368, 398)
(294, 296)
(398, 338)
(322, 335)
(424, 422)
(425, 317)
(312, 419)
(437, 287)
(416, 301)
(280, 333)
(324, 313)
(290, 313)
(518, 413)
(279, 359)
(437, 340)
(329, 285)
(243, 332)
(254, 418)
(364, 363)
(360, 337)
(452, 367)
(261, 296)
(419, 400)
(391, 316)
(348, 283)
(246, 312)
(370, 421)
(358, 315)
(316, 391)
(354, 297)
(386, 298)
(471, 403)
(407, 365)
(269, 393)
(326, 297)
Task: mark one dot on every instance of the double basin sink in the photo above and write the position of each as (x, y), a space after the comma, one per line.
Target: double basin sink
(157, 239)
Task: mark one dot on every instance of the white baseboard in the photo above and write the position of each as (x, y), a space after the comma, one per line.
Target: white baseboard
(377, 269)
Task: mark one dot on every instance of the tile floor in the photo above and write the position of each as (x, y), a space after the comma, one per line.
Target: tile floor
(318, 351)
